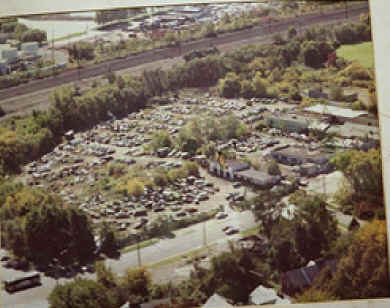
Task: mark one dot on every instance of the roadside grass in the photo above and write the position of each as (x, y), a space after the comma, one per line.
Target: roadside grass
(251, 231)
(141, 245)
(362, 53)
(180, 257)
(69, 36)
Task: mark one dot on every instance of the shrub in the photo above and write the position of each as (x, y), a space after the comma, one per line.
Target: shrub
(273, 168)
(191, 168)
(160, 179)
(160, 140)
(116, 169)
(358, 105)
(259, 86)
(246, 89)
(336, 93)
(294, 94)
(229, 86)
(135, 187)
(2, 112)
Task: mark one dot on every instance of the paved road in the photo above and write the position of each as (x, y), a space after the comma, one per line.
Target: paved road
(185, 240)
(155, 55)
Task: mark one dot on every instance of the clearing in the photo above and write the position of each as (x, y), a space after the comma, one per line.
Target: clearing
(362, 53)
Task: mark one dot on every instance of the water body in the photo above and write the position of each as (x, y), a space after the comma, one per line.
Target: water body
(59, 28)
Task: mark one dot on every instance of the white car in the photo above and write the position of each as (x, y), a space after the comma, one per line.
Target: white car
(221, 215)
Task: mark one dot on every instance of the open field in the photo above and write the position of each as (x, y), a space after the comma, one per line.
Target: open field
(362, 53)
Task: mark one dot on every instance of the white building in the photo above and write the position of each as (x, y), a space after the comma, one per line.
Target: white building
(8, 54)
(30, 49)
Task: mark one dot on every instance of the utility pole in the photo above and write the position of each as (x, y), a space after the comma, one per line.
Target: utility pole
(52, 51)
(324, 184)
(204, 235)
(138, 251)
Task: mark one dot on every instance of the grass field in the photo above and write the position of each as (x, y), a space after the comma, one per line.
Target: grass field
(363, 53)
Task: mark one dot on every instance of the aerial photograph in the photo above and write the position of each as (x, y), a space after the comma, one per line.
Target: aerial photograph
(209, 155)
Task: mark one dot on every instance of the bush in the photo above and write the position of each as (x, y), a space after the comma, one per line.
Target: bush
(160, 179)
(273, 168)
(294, 94)
(336, 93)
(135, 187)
(161, 139)
(355, 72)
(246, 89)
(2, 112)
(116, 169)
(191, 168)
(358, 105)
(229, 86)
(259, 86)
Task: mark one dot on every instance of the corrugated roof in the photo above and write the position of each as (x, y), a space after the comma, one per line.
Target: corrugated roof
(336, 111)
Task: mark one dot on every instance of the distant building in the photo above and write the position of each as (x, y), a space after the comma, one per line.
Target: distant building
(293, 156)
(288, 123)
(227, 169)
(8, 54)
(29, 50)
(257, 178)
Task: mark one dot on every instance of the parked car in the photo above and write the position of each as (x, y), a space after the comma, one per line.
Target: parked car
(232, 230)
(221, 215)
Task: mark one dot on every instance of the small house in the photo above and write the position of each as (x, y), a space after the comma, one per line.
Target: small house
(302, 278)
(227, 169)
(289, 124)
(259, 179)
(293, 156)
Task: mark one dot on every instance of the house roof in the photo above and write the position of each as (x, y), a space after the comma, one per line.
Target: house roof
(303, 277)
(237, 165)
(216, 301)
(336, 111)
(258, 177)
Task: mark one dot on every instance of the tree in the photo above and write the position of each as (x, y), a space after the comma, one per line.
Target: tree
(363, 271)
(109, 239)
(259, 86)
(160, 140)
(136, 284)
(315, 227)
(292, 32)
(80, 293)
(246, 89)
(109, 280)
(229, 86)
(363, 170)
(34, 35)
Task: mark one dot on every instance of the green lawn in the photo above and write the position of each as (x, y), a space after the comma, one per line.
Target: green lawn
(141, 245)
(66, 37)
(362, 53)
